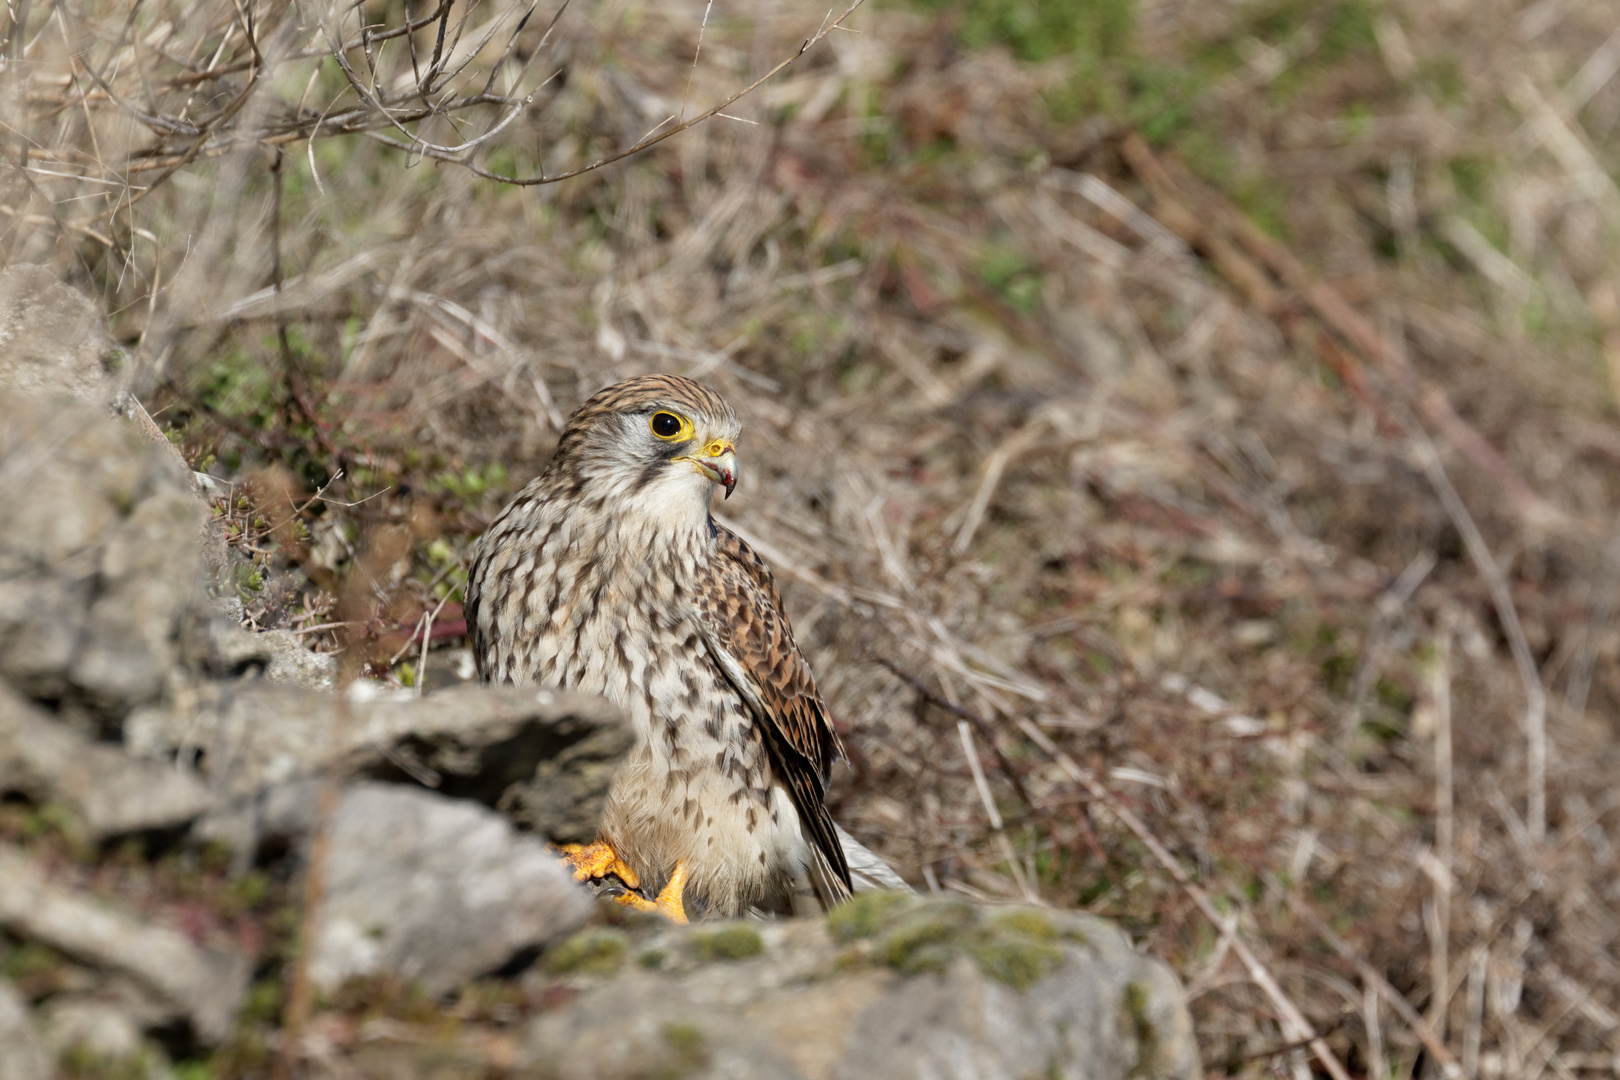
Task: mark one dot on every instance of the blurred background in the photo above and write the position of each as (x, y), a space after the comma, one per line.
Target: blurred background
(1220, 395)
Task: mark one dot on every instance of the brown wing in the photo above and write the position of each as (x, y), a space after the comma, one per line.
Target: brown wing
(741, 615)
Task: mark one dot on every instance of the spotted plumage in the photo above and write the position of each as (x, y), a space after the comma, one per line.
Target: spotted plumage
(608, 575)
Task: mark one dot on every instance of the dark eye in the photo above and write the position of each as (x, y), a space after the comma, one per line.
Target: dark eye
(666, 425)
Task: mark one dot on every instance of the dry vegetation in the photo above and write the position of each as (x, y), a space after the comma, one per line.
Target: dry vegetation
(1186, 432)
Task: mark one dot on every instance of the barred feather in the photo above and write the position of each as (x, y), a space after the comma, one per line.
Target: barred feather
(606, 574)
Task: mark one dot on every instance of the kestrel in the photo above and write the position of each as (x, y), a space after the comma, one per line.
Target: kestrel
(608, 575)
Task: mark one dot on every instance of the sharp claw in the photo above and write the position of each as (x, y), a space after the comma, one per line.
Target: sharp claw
(669, 903)
(598, 860)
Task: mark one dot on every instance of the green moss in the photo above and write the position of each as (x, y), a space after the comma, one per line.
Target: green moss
(688, 1051)
(1147, 1036)
(1015, 960)
(599, 950)
(1032, 923)
(926, 937)
(861, 916)
(685, 1038)
(1018, 947)
(652, 958)
(738, 941)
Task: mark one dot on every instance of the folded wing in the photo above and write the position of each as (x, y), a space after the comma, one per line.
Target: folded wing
(740, 613)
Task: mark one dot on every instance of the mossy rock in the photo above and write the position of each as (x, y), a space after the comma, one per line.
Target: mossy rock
(1017, 947)
(928, 936)
(863, 915)
(599, 950)
(1014, 959)
(1137, 1005)
(1033, 923)
(688, 1051)
(739, 941)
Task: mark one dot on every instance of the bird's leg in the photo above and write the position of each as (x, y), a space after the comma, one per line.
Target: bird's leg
(597, 860)
(668, 903)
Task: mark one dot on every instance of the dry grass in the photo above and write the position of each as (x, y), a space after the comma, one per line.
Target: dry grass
(1252, 585)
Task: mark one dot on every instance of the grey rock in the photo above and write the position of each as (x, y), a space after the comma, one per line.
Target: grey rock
(205, 985)
(434, 889)
(281, 811)
(291, 663)
(108, 791)
(230, 609)
(449, 667)
(22, 1053)
(101, 580)
(92, 1026)
(887, 986)
(279, 654)
(54, 340)
(544, 758)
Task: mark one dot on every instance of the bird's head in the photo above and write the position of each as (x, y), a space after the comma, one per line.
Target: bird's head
(655, 438)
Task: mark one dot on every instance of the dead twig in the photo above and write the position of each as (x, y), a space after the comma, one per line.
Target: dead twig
(652, 138)
(1535, 713)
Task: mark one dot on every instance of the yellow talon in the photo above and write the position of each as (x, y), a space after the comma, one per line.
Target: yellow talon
(597, 860)
(669, 902)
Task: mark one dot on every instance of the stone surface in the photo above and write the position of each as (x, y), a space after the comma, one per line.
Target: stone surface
(279, 655)
(98, 1028)
(54, 340)
(22, 1053)
(101, 580)
(434, 889)
(545, 758)
(887, 986)
(108, 791)
(205, 985)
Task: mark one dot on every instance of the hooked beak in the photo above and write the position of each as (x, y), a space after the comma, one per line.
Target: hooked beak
(717, 461)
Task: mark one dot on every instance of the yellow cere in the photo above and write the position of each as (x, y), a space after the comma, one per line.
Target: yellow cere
(671, 427)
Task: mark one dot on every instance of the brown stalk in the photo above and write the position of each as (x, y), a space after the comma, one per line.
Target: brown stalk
(384, 548)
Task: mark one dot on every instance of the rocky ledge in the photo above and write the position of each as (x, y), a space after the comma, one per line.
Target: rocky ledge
(132, 709)
(888, 985)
